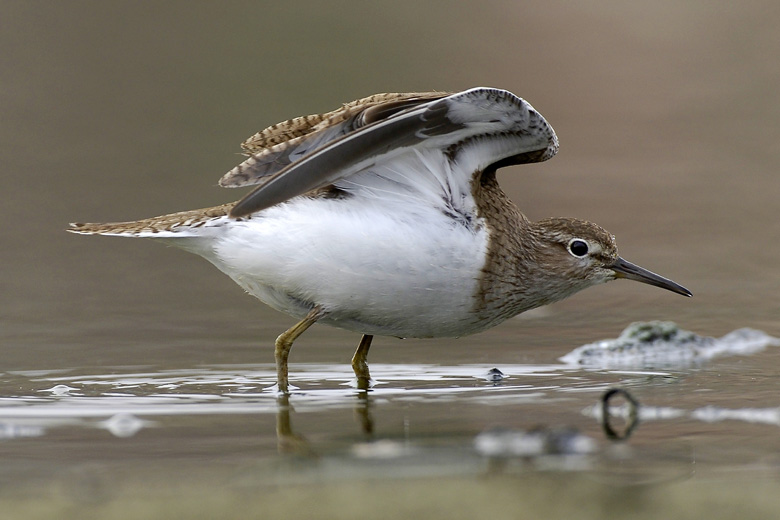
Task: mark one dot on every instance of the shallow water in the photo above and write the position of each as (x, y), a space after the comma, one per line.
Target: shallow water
(209, 434)
(136, 380)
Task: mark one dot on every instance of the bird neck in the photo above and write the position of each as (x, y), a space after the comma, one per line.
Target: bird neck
(510, 257)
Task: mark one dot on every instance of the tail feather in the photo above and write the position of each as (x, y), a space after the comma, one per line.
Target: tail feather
(182, 224)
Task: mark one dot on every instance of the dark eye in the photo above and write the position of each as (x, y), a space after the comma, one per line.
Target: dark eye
(578, 247)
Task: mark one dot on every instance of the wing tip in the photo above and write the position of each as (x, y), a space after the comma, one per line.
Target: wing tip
(240, 175)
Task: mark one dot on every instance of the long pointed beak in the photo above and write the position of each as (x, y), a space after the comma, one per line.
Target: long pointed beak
(629, 271)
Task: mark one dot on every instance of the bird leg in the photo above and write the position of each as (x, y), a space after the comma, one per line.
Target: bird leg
(360, 363)
(285, 341)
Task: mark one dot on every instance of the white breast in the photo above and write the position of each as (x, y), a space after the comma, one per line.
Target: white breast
(407, 272)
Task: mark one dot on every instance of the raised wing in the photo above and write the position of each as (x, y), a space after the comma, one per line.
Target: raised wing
(481, 127)
(284, 143)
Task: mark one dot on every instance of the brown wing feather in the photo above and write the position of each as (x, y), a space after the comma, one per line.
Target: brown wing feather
(284, 143)
(493, 126)
(300, 126)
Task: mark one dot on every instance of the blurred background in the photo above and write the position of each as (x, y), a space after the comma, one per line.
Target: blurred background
(668, 115)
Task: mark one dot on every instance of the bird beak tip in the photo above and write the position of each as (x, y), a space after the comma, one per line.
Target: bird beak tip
(629, 271)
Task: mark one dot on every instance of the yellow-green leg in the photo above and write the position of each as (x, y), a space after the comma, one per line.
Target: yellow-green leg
(284, 343)
(360, 362)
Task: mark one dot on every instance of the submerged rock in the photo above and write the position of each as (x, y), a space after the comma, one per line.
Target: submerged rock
(663, 343)
(500, 442)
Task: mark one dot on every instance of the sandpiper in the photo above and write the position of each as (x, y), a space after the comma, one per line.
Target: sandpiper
(384, 217)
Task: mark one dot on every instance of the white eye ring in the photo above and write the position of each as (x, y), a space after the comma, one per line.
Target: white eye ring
(578, 247)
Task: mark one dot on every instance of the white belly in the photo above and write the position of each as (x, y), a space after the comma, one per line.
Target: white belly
(398, 271)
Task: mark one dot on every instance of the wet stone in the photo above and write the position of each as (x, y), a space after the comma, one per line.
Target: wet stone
(663, 343)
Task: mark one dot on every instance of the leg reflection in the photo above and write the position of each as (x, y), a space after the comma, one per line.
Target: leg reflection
(286, 440)
(289, 442)
(363, 412)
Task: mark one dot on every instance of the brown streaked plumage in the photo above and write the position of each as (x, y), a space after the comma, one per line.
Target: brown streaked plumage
(300, 126)
(269, 146)
(385, 217)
